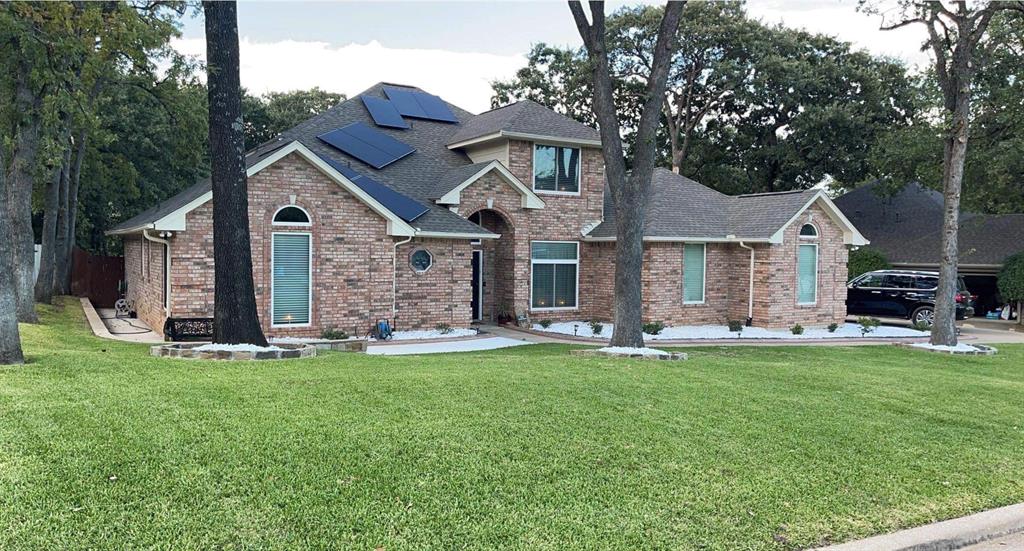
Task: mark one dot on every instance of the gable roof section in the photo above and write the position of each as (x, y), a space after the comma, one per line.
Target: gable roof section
(681, 209)
(450, 186)
(524, 119)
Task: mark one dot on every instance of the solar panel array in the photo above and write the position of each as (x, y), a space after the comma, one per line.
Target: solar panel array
(384, 112)
(419, 105)
(403, 206)
(366, 144)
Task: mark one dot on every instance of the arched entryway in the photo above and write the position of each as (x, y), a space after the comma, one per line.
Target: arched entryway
(493, 288)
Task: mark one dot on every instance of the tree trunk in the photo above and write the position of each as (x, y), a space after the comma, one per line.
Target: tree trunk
(61, 239)
(10, 340)
(74, 178)
(48, 253)
(235, 319)
(629, 194)
(23, 166)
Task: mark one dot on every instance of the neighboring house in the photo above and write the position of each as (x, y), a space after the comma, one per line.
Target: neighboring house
(906, 225)
(396, 205)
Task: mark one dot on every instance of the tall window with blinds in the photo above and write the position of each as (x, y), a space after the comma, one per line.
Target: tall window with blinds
(807, 275)
(694, 256)
(291, 279)
(555, 274)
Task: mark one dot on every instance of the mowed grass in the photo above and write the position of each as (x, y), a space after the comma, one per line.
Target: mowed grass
(737, 448)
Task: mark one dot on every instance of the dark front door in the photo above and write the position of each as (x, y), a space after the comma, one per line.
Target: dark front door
(476, 303)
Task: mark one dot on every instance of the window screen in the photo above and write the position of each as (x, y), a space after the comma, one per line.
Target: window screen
(807, 274)
(291, 278)
(693, 272)
(555, 275)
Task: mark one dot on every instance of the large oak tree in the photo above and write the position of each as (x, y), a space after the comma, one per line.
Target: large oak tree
(630, 190)
(234, 301)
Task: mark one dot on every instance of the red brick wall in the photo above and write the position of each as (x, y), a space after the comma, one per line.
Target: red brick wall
(144, 276)
(352, 259)
(562, 219)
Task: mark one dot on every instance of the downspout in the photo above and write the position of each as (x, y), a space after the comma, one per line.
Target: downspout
(750, 286)
(167, 267)
(394, 280)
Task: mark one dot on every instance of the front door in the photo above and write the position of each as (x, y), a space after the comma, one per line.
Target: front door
(476, 302)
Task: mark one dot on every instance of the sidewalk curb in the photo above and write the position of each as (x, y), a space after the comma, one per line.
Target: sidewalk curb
(945, 535)
(95, 323)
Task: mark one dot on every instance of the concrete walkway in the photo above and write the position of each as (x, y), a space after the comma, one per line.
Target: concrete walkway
(984, 531)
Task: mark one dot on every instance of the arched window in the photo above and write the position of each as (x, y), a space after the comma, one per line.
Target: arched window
(291, 216)
(808, 231)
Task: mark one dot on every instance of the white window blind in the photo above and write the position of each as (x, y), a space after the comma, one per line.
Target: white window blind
(291, 279)
(693, 272)
(807, 274)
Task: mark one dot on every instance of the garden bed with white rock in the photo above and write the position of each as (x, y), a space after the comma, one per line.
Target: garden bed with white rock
(961, 348)
(643, 353)
(720, 332)
(429, 335)
(351, 344)
(207, 351)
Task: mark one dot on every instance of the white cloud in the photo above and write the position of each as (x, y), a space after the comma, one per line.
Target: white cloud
(460, 78)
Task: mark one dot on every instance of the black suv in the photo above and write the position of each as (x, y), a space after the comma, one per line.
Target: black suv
(902, 294)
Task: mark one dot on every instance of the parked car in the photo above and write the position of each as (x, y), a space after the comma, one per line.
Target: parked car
(902, 294)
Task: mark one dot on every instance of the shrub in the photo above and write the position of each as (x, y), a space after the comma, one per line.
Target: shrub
(333, 334)
(864, 260)
(922, 326)
(654, 327)
(1011, 282)
(545, 323)
(596, 327)
(735, 326)
(797, 329)
(443, 328)
(832, 327)
(867, 325)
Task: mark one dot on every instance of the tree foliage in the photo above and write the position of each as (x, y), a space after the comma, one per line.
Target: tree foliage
(749, 107)
(268, 115)
(1011, 278)
(864, 260)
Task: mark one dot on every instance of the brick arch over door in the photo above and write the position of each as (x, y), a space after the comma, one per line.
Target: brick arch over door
(499, 255)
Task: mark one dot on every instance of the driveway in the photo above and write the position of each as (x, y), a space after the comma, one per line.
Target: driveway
(977, 330)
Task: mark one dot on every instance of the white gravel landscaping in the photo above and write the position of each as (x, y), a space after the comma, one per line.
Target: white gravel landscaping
(431, 334)
(960, 347)
(712, 332)
(627, 350)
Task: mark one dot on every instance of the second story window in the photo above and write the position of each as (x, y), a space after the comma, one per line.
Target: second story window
(556, 169)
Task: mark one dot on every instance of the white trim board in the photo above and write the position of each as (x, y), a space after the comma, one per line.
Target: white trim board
(525, 136)
(851, 236)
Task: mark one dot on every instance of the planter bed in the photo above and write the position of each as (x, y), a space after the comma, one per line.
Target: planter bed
(196, 351)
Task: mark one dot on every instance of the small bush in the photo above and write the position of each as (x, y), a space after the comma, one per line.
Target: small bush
(333, 334)
(735, 326)
(545, 323)
(443, 328)
(832, 327)
(867, 325)
(654, 328)
(596, 327)
(864, 260)
(922, 326)
(797, 329)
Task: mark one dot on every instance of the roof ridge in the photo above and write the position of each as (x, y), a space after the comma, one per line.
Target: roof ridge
(500, 107)
(766, 193)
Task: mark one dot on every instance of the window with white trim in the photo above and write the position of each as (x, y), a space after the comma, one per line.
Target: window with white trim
(694, 267)
(291, 215)
(807, 274)
(554, 279)
(556, 169)
(291, 278)
(808, 231)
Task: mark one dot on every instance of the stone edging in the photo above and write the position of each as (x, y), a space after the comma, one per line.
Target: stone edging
(672, 356)
(178, 350)
(716, 342)
(95, 323)
(983, 350)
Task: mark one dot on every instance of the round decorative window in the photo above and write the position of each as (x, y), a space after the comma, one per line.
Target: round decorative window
(420, 260)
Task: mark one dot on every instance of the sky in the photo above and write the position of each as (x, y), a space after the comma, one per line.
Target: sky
(456, 49)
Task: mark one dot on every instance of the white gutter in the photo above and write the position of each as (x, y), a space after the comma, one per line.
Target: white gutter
(167, 267)
(394, 280)
(750, 285)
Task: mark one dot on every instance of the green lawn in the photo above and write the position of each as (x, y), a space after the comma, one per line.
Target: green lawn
(738, 448)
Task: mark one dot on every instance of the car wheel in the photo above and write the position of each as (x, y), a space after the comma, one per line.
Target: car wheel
(923, 314)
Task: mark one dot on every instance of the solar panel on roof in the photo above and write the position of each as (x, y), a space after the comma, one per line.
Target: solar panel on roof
(384, 112)
(366, 144)
(403, 206)
(420, 105)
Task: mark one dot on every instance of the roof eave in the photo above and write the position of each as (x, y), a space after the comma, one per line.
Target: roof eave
(530, 200)
(505, 134)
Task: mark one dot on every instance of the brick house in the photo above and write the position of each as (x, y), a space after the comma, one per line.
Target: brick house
(396, 205)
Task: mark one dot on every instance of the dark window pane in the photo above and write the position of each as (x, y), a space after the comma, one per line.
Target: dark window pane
(901, 282)
(568, 169)
(553, 251)
(543, 285)
(927, 283)
(808, 231)
(565, 285)
(291, 215)
(544, 167)
(873, 280)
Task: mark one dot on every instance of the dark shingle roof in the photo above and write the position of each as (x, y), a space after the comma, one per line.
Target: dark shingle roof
(906, 225)
(682, 208)
(455, 176)
(524, 117)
